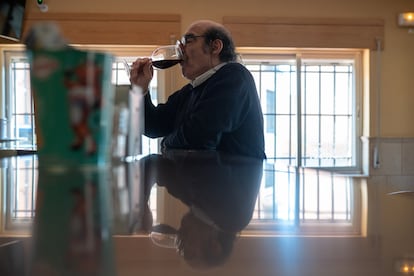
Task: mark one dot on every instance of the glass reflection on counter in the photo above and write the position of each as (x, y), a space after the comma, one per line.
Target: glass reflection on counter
(320, 198)
(19, 183)
(223, 197)
(72, 233)
(303, 201)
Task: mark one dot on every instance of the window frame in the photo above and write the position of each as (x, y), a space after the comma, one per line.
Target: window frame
(253, 55)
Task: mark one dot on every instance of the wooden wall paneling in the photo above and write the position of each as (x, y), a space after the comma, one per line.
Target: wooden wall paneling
(112, 29)
(305, 32)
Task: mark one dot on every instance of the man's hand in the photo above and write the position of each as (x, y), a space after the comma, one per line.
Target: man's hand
(141, 73)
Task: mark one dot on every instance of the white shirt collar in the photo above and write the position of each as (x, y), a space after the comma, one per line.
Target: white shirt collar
(203, 77)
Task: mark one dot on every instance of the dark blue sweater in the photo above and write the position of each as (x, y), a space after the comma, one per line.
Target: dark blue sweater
(223, 113)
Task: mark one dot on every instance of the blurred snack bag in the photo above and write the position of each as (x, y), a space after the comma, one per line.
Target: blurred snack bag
(74, 105)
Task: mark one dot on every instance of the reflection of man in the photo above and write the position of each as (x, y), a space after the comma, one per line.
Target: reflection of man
(220, 191)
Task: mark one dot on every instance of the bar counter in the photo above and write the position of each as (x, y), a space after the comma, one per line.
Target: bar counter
(193, 213)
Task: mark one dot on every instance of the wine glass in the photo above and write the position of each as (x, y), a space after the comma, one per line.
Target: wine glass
(127, 67)
(162, 58)
(166, 56)
(164, 235)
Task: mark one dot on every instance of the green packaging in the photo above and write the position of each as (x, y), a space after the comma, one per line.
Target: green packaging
(74, 105)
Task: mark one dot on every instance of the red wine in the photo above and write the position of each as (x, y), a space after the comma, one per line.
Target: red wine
(166, 63)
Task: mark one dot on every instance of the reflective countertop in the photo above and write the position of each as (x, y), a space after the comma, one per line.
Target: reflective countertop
(203, 213)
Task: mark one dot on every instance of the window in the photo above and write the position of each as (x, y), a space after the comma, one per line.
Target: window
(310, 105)
(310, 102)
(21, 178)
(19, 107)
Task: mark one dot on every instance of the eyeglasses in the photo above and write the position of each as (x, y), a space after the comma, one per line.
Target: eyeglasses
(189, 38)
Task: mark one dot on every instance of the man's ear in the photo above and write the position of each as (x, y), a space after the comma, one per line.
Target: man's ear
(216, 46)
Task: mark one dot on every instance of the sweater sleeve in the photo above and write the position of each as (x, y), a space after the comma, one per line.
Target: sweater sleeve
(160, 120)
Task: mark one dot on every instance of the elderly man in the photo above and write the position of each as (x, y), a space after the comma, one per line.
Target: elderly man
(218, 110)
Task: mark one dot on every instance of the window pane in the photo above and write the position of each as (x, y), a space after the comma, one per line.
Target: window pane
(327, 93)
(343, 99)
(284, 149)
(328, 135)
(22, 120)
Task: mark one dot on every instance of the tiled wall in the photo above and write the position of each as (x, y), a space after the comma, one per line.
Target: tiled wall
(396, 156)
(395, 174)
(396, 170)
(390, 220)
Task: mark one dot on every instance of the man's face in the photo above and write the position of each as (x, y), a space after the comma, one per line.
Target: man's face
(197, 56)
